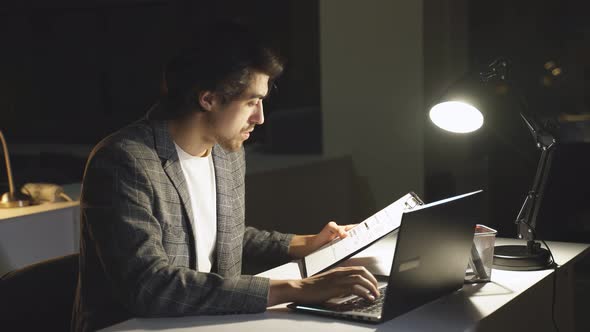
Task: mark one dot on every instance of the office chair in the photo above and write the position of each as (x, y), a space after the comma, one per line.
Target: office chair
(39, 297)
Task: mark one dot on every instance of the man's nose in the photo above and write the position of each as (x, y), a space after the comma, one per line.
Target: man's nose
(258, 116)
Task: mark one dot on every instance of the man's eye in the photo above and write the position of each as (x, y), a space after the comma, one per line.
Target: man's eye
(253, 103)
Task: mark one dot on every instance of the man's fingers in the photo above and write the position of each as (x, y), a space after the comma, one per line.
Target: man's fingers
(362, 292)
(344, 229)
(340, 281)
(358, 275)
(349, 227)
(332, 225)
(360, 280)
(369, 276)
(333, 228)
(362, 271)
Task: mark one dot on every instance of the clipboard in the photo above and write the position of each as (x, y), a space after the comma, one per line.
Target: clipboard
(360, 237)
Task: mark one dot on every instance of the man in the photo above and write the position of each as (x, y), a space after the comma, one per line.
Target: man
(162, 222)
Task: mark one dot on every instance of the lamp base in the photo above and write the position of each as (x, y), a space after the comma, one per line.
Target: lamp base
(521, 258)
(13, 200)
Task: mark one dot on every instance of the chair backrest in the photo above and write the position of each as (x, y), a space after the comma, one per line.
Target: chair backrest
(39, 296)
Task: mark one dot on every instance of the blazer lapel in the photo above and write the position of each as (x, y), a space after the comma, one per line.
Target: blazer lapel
(225, 232)
(171, 165)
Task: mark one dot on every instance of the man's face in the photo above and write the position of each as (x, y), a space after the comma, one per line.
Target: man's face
(232, 123)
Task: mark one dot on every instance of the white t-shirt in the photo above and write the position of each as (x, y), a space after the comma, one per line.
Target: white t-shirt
(200, 179)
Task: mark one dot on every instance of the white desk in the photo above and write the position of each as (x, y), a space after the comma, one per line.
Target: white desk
(513, 301)
(34, 233)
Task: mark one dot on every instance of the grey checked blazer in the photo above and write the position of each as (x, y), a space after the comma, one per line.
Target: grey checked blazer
(137, 248)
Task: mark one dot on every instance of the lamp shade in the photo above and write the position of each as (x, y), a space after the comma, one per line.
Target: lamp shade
(456, 117)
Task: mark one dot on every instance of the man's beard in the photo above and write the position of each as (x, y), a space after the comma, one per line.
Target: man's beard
(231, 145)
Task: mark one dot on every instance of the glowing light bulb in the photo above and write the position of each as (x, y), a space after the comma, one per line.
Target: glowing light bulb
(456, 117)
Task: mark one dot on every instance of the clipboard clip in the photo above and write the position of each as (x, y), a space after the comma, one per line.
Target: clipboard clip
(413, 201)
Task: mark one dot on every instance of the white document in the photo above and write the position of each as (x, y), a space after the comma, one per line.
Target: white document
(365, 233)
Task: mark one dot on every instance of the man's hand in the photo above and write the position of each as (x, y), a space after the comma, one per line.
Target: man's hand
(329, 233)
(303, 245)
(340, 281)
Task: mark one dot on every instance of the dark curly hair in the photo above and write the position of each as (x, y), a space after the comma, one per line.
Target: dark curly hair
(222, 60)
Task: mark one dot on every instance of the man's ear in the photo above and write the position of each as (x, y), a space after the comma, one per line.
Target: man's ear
(206, 100)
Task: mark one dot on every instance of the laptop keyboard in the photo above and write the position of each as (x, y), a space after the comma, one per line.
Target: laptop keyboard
(362, 305)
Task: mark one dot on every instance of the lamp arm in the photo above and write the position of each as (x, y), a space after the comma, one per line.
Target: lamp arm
(542, 137)
(7, 160)
(527, 216)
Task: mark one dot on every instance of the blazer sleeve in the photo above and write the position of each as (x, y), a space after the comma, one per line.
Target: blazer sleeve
(117, 212)
(273, 246)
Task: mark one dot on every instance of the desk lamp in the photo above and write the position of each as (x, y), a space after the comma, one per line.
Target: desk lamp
(10, 199)
(459, 116)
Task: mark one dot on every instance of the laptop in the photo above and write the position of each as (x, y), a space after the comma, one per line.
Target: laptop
(430, 258)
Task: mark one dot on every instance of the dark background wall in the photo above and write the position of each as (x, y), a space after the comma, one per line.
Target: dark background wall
(97, 64)
(532, 34)
(502, 157)
(74, 71)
